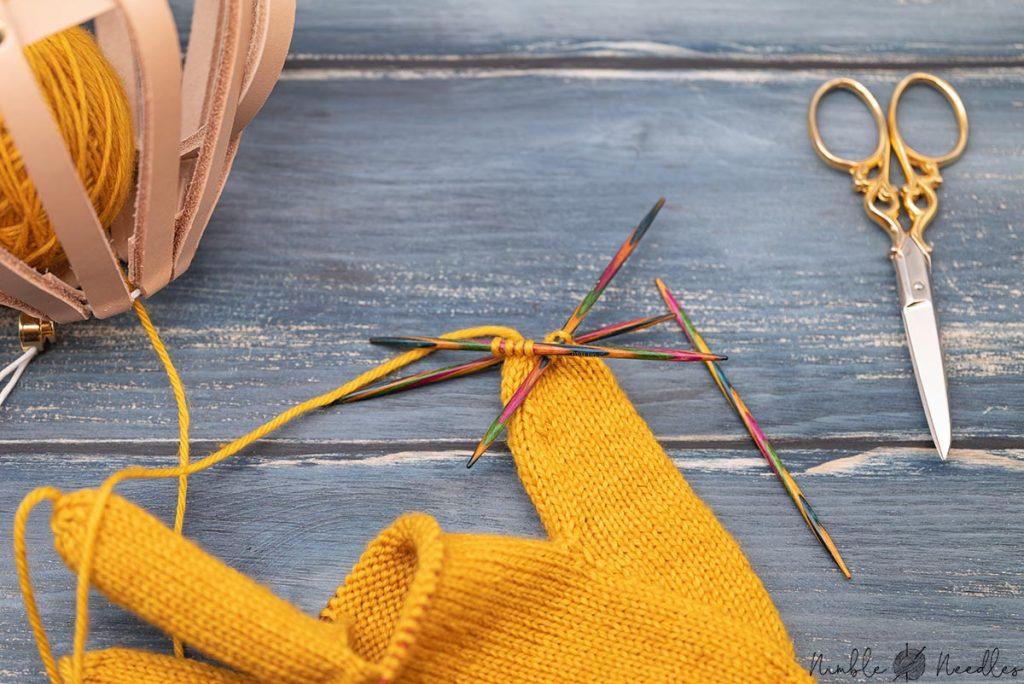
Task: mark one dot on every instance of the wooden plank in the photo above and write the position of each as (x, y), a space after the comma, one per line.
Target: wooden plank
(696, 30)
(372, 206)
(390, 188)
(935, 548)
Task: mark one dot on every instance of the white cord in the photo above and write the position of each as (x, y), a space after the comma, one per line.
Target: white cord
(21, 360)
(15, 370)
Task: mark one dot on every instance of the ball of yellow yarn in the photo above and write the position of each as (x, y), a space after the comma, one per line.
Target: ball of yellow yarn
(88, 102)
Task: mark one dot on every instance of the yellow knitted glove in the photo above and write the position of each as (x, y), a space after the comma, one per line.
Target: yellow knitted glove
(140, 667)
(638, 581)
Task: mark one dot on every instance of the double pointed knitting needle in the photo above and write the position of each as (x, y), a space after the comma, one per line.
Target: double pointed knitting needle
(550, 349)
(763, 445)
(577, 316)
(430, 377)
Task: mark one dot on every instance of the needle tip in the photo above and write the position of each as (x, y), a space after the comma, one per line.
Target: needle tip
(646, 222)
(842, 565)
(481, 448)
(836, 556)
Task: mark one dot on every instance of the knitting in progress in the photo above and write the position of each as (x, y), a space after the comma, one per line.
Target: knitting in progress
(637, 580)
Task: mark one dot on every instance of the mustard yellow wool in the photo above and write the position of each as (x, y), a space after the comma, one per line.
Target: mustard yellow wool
(91, 110)
(95, 516)
(139, 667)
(636, 582)
(184, 422)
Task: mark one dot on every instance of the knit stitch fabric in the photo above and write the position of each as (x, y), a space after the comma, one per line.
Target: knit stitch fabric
(637, 580)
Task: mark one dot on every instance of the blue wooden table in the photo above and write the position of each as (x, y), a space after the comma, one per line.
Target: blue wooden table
(427, 166)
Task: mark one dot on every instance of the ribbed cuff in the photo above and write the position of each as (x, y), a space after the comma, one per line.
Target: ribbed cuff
(385, 597)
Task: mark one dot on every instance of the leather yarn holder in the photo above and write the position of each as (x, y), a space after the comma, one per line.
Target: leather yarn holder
(188, 123)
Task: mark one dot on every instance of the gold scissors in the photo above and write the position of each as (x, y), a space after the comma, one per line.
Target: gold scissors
(911, 255)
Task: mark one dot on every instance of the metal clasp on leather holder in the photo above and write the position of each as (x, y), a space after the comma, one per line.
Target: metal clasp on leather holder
(35, 333)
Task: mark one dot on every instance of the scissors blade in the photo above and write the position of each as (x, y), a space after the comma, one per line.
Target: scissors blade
(922, 329)
(926, 354)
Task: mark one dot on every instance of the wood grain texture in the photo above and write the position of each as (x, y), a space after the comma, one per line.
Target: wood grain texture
(694, 30)
(427, 166)
(935, 548)
(379, 206)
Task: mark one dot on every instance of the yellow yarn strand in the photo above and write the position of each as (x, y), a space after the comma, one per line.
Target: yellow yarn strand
(184, 421)
(33, 499)
(181, 471)
(89, 106)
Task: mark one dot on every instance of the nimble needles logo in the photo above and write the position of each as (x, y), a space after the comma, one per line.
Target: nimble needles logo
(914, 662)
(909, 664)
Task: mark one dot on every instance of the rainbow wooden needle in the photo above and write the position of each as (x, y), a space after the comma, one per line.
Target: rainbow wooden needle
(550, 349)
(421, 379)
(633, 325)
(570, 326)
(430, 377)
(763, 445)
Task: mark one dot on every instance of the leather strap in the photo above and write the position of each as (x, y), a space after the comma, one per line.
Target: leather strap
(210, 142)
(272, 26)
(156, 86)
(35, 20)
(43, 296)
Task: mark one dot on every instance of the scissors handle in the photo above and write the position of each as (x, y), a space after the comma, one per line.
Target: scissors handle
(870, 174)
(921, 171)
